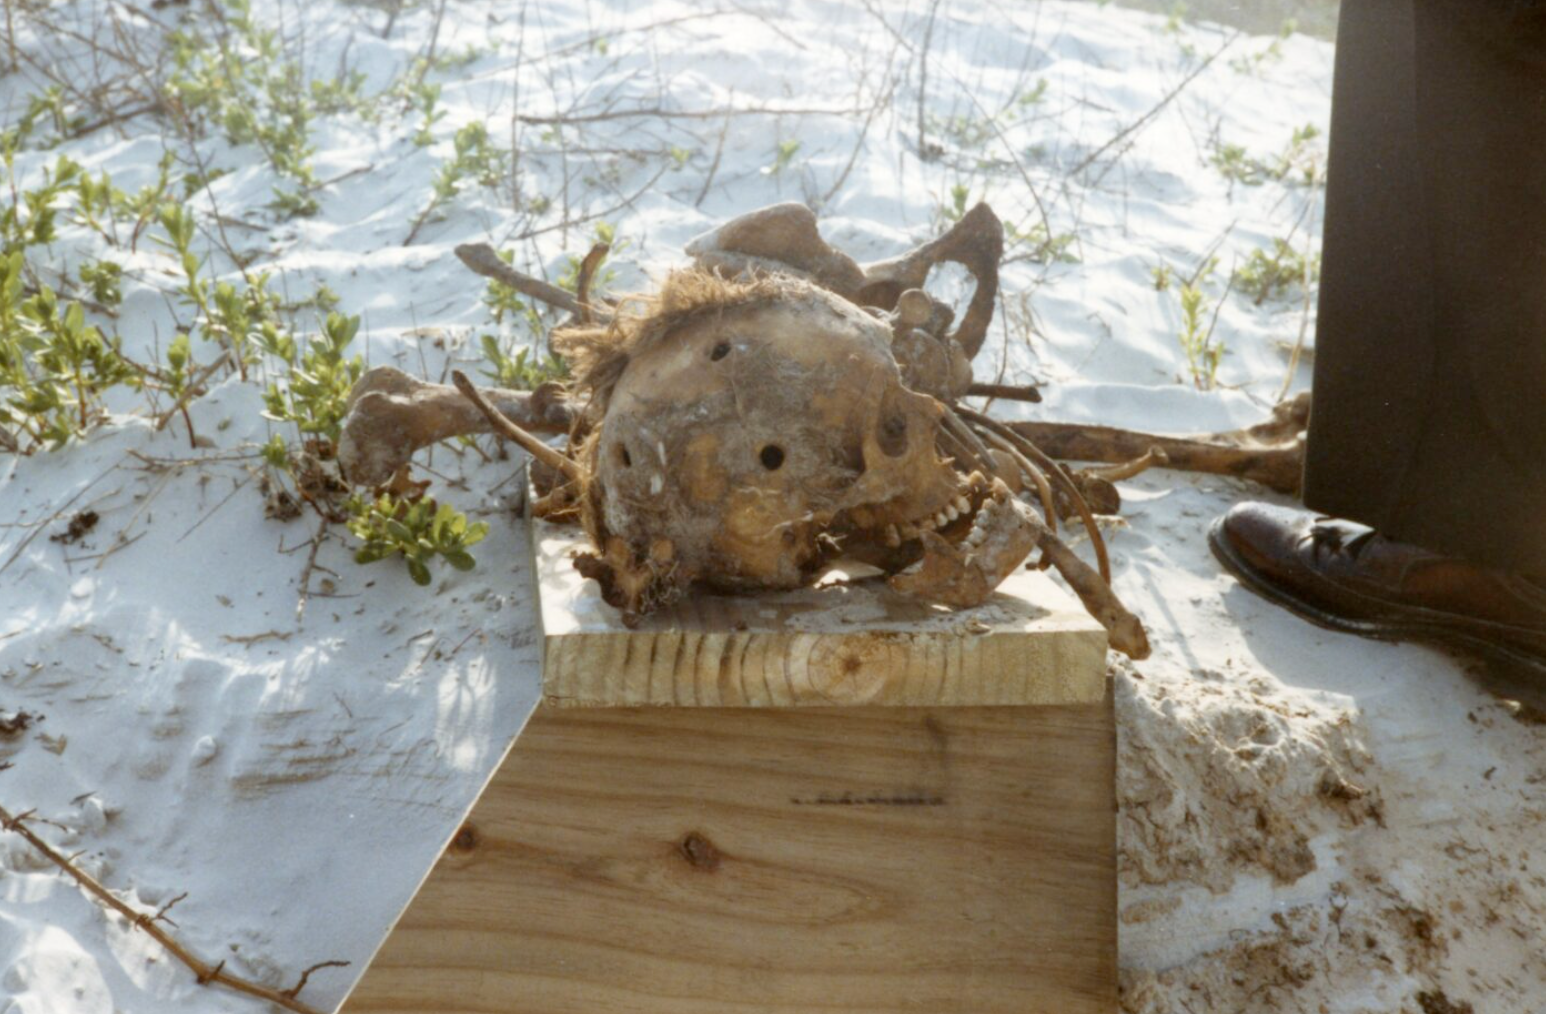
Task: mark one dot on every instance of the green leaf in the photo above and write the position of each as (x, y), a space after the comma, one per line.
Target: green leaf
(418, 571)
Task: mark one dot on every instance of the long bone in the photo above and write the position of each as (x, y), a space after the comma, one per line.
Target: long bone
(1272, 452)
(481, 259)
(507, 428)
(392, 414)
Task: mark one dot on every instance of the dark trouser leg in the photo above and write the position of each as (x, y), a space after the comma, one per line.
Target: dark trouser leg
(1429, 421)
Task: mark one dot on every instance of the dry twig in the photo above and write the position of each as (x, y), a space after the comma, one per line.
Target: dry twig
(510, 431)
(203, 971)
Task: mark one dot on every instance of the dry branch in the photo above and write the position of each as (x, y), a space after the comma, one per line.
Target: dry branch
(662, 113)
(1156, 109)
(505, 428)
(203, 971)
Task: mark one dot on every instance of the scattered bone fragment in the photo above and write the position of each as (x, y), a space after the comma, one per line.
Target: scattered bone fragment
(781, 239)
(392, 414)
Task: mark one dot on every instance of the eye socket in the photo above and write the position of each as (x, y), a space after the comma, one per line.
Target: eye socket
(623, 457)
(893, 436)
(720, 351)
(772, 457)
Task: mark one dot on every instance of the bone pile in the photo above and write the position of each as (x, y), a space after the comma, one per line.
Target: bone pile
(773, 408)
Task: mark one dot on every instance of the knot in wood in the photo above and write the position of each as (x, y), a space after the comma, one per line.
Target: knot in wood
(466, 839)
(699, 852)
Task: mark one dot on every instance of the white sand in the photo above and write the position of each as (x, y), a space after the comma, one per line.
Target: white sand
(1309, 822)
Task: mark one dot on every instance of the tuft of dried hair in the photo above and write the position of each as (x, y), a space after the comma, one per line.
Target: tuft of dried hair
(597, 353)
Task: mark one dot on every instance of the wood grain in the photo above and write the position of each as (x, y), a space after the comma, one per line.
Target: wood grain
(845, 644)
(775, 861)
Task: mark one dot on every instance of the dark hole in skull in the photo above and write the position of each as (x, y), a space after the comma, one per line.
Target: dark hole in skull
(893, 435)
(623, 457)
(772, 457)
(720, 351)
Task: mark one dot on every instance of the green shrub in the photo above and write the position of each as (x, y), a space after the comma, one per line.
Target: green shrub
(54, 367)
(416, 531)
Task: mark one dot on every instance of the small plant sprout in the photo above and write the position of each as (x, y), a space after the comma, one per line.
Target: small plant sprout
(960, 194)
(32, 220)
(425, 96)
(54, 367)
(315, 396)
(227, 315)
(1204, 352)
(416, 531)
(1176, 17)
(504, 301)
(1271, 273)
(783, 157)
(1040, 248)
(1254, 63)
(474, 158)
(521, 371)
(1300, 163)
(102, 278)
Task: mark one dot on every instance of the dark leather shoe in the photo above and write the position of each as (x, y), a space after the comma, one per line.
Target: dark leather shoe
(1348, 577)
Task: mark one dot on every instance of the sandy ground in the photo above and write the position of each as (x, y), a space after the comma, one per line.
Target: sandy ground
(1309, 821)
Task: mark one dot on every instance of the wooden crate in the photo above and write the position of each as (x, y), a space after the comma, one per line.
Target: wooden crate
(909, 811)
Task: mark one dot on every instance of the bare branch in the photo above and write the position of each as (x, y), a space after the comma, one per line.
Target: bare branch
(505, 428)
(204, 972)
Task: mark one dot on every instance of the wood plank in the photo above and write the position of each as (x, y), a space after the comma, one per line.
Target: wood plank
(775, 861)
(839, 645)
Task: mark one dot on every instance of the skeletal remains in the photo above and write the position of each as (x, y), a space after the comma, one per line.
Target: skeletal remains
(774, 407)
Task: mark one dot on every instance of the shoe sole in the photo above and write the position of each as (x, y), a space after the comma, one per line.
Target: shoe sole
(1384, 630)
